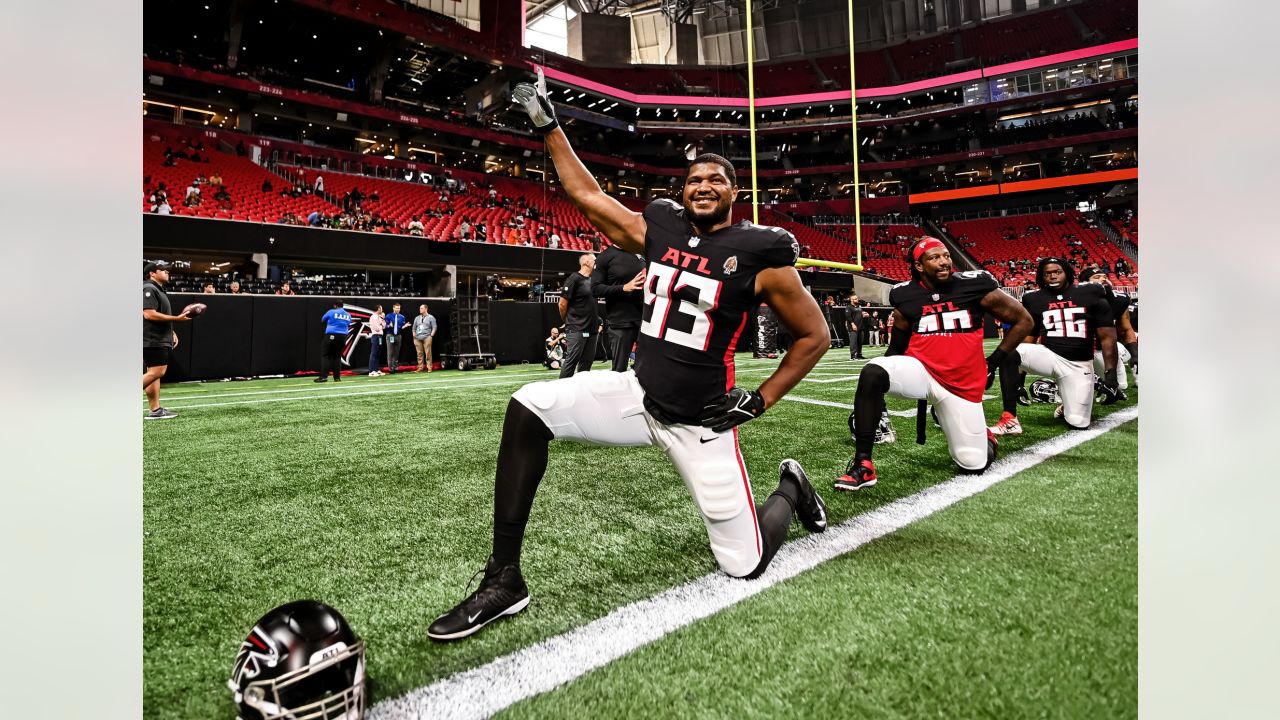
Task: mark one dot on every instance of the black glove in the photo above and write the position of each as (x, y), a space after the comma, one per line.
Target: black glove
(1108, 389)
(535, 101)
(737, 407)
(994, 360)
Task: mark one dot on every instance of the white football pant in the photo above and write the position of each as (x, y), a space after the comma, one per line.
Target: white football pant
(1075, 380)
(962, 420)
(607, 408)
(1124, 360)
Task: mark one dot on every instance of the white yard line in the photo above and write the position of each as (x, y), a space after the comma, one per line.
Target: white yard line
(290, 388)
(336, 394)
(490, 688)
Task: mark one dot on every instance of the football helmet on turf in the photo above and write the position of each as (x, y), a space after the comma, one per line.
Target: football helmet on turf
(301, 661)
(1045, 390)
(884, 431)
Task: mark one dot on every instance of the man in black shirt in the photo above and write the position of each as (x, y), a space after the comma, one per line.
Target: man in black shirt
(704, 275)
(853, 322)
(619, 279)
(158, 337)
(578, 312)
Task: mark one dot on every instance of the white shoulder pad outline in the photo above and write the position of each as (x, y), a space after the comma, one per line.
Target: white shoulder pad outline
(904, 283)
(973, 274)
(668, 201)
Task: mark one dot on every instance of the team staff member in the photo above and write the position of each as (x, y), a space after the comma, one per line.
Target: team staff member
(158, 337)
(377, 326)
(337, 323)
(619, 279)
(853, 323)
(578, 313)
(936, 354)
(705, 276)
(424, 329)
(395, 323)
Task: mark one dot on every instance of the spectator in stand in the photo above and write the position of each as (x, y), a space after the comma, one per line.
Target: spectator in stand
(319, 186)
(1122, 267)
(415, 227)
(266, 186)
(285, 289)
(482, 232)
(163, 208)
(314, 218)
(208, 289)
(235, 287)
(377, 326)
(553, 242)
(464, 230)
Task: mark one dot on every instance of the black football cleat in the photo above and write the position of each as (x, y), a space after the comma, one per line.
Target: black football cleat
(502, 592)
(860, 473)
(810, 509)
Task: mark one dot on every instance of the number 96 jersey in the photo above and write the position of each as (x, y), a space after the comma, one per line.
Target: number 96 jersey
(1067, 322)
(699, 291)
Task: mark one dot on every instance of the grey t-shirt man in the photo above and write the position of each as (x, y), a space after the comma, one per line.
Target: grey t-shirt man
(424, 326)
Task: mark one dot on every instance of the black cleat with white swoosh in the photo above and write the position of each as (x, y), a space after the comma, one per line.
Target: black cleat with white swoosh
(810, 509)
(502, 592)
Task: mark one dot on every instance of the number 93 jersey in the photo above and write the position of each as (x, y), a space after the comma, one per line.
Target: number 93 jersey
(946, 329)
(699, 291)
(1067, 322)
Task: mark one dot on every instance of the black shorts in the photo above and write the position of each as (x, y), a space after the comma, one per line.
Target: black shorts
(155, 356)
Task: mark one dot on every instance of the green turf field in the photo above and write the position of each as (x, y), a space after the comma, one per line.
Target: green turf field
(374, 495)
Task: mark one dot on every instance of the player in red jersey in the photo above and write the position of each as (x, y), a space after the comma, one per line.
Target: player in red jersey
(935, 353)
(704, 275)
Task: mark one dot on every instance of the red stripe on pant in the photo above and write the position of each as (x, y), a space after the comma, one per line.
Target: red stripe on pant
(746, 483)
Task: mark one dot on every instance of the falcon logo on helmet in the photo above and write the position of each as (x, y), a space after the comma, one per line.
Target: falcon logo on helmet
(301, 660)
(1045, 391)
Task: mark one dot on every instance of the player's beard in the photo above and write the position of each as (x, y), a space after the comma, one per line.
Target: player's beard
(709, 219)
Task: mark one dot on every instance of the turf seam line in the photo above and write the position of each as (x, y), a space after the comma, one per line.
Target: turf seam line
(488, 689)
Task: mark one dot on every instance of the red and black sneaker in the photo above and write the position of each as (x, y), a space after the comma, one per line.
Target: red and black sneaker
(860, 473)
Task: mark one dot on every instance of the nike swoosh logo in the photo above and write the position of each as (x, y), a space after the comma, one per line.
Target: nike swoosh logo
(472, 618)
(704, 441)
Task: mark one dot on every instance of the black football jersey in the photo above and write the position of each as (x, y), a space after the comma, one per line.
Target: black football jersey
(946, 329)
(1067, 322)
(698, 292)
(1119, 303)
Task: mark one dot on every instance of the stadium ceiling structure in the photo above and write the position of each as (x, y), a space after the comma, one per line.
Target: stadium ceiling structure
(676, 11)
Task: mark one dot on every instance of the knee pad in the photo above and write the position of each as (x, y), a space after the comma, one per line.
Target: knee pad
(521, 419)
(875, 378)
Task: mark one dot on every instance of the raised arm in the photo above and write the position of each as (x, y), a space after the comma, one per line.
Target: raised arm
(623, 227)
